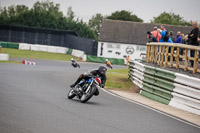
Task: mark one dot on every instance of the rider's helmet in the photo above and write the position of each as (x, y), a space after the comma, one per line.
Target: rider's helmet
(106, 59)
(102, 70)
(72, 59)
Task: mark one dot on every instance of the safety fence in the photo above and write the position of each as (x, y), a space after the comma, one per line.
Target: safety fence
(51, 37)
(174, 89)
(170, 54)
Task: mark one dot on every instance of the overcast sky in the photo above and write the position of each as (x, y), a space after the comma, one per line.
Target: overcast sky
(144, 9)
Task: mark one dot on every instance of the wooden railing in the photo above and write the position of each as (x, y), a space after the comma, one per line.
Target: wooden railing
(159, 53)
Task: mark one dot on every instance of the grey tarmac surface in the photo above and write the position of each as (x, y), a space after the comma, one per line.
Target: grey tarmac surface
(33, 100)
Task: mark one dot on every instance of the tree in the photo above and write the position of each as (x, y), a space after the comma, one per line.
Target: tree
(44, 15)
(171, 19)
(124, 16)
(20, 9)
(95, 22)
(70, 13)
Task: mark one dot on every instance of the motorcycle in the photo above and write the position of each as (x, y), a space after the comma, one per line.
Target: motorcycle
(109, 65)
(74, 64)
(85, 89)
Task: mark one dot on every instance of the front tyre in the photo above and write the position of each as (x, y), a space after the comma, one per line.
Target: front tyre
(85, 97)
(71, 94)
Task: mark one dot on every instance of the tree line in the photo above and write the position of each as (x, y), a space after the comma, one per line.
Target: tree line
(46, 14)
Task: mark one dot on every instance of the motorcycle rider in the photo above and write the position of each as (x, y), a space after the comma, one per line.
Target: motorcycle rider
(101, 72)
(108, 63)
(74, 63)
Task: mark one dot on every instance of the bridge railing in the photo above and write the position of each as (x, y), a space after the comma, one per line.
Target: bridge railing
(168, 54)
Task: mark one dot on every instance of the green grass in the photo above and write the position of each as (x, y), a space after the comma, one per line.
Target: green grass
(118, 79)
(36, 54)
(15, 62)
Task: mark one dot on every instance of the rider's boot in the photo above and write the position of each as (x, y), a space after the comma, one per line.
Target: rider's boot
(73, 85)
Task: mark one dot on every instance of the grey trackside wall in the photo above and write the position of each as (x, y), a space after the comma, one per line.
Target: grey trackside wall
(128, 32)
(50, 37)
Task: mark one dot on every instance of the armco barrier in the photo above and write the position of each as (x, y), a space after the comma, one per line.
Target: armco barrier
(78, 53)
(24, 46)
(43, 48)
(61, 50)
(187, 80)
(166, 87)
(4, 57)
(69, 51)
(91, 58)
(9, 45)
(185, 90)
(35, 47)
(52, 49)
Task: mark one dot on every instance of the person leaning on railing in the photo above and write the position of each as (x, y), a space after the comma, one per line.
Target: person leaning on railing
(179, 40)
(193, 37)
(151, 37)
(156, 33)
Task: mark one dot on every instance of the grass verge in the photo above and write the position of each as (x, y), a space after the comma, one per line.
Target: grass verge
(16, 53)
(15, 62)
(117, 79)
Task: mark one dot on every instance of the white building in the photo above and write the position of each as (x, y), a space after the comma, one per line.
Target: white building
(119, 39)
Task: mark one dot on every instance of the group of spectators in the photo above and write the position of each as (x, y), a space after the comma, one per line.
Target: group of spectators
(162, 35)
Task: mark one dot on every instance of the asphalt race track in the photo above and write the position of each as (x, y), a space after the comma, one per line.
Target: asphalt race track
(33, 100)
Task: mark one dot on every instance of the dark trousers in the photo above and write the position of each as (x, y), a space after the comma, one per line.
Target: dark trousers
(192, 55)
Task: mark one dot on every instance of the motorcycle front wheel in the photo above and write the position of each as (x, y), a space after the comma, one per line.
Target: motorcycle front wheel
(86, 96)
(71, 94)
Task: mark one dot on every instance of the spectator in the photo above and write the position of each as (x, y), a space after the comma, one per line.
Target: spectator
(183, 38)
(193, 35)
(171, 38)
(178, 38)
(186, 39)
(127, 60)
(162, 33)
(159, 30)
(156, 34)
(151, 37)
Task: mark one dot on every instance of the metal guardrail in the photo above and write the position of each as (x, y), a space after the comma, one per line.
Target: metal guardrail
(159, 53)
(174, 89)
